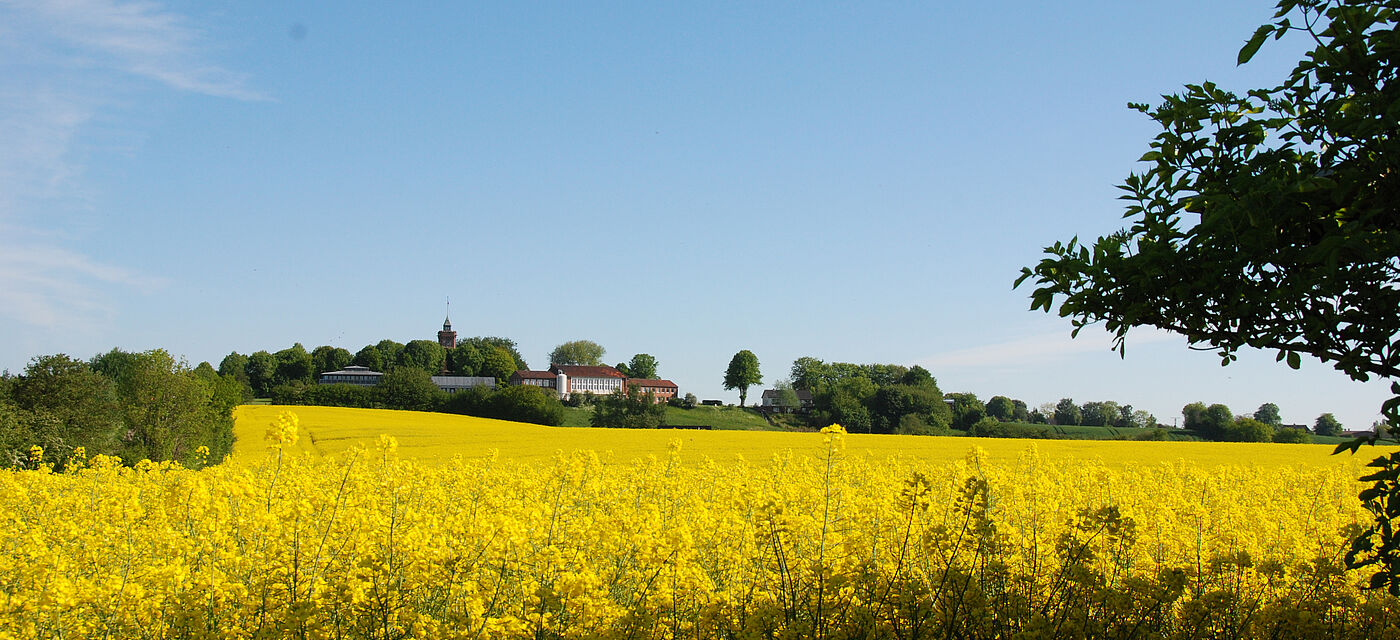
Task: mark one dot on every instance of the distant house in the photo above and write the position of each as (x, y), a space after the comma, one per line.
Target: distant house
(663, 390)
(769, 401)
(453, 384)
(544, 379)
(353, 374)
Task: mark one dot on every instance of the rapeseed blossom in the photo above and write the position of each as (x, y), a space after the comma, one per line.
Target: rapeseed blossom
(822, 542)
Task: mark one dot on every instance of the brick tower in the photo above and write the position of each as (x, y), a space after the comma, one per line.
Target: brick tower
(447, 337)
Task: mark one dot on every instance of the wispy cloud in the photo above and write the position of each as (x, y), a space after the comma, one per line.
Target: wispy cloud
(1038, 348)
(139, 38)
(65, 64)
(52, 287)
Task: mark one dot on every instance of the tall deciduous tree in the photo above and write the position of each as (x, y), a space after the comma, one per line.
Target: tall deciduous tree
(327, 358)
(369, 357)
(1327, 425)
(742, 373)
(582, 352)
(465, 360)
(262, 373)
(69, 404)
(643, 366)
(1267, 413)
(294, 365)
(967, 409)
(498, 364)
(427, 355)
(1067, 412)
(1001, 408)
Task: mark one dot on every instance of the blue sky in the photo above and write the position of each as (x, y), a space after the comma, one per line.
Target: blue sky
(853, 183)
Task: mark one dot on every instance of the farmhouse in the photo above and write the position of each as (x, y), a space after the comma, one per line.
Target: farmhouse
(770, 400)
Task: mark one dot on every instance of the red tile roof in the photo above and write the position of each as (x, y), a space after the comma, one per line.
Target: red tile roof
(534, 375)
(578, 371)
(650, 383)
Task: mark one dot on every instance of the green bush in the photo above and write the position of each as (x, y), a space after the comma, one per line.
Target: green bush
(631, 410)
(992, 428)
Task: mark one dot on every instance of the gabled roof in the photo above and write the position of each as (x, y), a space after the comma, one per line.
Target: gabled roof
(579, 371)
(802, 394)
(533, 375)
(635, 382)
(352, 370)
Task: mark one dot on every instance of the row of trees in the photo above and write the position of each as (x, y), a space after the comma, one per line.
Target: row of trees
(874, 398)
(888, 398)
(262, 371)
(412, 389)
(137, 406)
(1217, 422)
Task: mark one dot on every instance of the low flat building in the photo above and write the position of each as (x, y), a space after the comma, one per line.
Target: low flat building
(353, 374)
(453, 384)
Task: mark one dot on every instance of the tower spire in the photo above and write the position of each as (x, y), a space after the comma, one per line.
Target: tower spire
(447, 337)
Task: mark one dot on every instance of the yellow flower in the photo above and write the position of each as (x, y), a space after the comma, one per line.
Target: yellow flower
(283, 431)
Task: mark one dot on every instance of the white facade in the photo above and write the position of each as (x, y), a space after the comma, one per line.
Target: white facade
(595, 386)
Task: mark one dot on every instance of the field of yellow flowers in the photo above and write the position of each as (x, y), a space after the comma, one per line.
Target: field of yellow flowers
(821, 539)
(434, 438)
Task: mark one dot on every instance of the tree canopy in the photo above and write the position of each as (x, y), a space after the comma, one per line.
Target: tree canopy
(643, 366)
(581, 352)
(742, 373)
(1268, 220)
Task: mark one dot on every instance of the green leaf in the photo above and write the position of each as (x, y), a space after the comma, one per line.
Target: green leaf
(1257, 40)
(1293, 360)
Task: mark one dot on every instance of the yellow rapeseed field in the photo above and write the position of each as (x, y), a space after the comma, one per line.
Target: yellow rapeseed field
(411, 526)
(437, 438)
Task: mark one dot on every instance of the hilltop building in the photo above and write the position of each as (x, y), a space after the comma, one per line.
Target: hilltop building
(353, 374)
(447, 337)
(568, 379)
(662, 390)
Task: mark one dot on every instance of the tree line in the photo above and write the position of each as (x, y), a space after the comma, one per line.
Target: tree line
(890, 398)
(137, 406)
(263, 371)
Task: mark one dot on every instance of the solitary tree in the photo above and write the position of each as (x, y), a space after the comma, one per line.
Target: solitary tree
(1327, 425)
(1277, 216)
(584, 352)
(742, 373)
(1268, 414)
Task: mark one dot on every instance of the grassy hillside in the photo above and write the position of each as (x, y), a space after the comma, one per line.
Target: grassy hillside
(437, 438)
